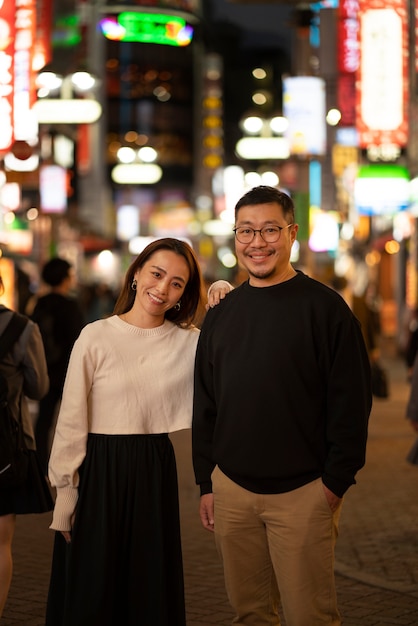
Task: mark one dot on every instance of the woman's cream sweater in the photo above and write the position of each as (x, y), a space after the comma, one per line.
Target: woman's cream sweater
(121, 379)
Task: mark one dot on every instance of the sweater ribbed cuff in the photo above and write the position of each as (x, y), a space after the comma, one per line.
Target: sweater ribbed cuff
(65, 504)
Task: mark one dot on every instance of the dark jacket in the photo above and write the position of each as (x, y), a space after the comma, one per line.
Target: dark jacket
(60, 320)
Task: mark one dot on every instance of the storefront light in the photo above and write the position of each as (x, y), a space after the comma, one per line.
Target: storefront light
(147, 154)
(252, 125)
(21, 165)
(136, 173)
(217, 228)
(226, 257)
(55, 111)
(279, 124)
(252, 179)
(333, 117)
(83, 81)
(63, 108)
(126, 154)
(261, 148)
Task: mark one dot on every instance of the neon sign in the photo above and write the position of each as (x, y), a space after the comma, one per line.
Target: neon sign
(7, 37)
(382, 77)
(168, 30)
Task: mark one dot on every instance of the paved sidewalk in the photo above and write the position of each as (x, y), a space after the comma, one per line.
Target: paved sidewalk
(377, 552)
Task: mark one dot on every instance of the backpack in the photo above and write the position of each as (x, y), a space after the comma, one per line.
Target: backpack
(14, 456)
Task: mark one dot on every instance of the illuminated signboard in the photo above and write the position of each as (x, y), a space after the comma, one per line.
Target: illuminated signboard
(170, 30)
(382, 88)
(381, 189)
(24, 84)
(42, 44)
(53, 189)
(66, 32)
(7, 36)
(348, 59)
(304, 107)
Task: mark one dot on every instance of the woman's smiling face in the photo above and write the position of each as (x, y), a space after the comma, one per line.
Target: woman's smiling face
(160, 283)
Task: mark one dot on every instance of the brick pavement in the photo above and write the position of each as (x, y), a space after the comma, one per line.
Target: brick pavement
(377, 552)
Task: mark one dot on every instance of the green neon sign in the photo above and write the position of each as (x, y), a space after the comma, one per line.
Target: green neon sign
(152, 28)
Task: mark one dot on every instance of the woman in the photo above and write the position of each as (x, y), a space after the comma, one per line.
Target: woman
(117, 559)
(25, 369)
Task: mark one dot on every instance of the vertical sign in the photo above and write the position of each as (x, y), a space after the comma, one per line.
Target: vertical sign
(7, 35)
(348, 58)
(382, 87)
(53, 188)
(416, 36)
(210, 146)
(304, 107)
(42, 44)
(25, 24)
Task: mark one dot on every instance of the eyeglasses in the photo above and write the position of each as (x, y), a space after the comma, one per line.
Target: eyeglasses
(270, 234)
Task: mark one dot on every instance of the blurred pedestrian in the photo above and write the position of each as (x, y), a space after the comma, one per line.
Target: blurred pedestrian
(60, 320)
(102, 302)
(411, 347)
(117, 555)
(25, 370)
(282, 399)
(412, 411)
(367, 318)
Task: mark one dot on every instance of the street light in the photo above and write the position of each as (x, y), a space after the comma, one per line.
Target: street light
(265, 138)
(136, 167)
(66, 109)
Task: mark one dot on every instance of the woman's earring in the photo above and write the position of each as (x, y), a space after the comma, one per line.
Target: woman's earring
(134, 284)
(177, 306)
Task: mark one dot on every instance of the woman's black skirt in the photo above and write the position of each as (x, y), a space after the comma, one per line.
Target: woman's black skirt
(124, 563)
(33, 496)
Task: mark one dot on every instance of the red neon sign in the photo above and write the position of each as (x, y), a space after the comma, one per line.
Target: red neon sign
(7, 35)
(382, 85)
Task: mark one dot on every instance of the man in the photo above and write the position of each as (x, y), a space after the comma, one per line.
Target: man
(281, 405)
(60, 320)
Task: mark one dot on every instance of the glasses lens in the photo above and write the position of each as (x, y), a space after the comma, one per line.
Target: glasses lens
(244, 235)
(271, 233)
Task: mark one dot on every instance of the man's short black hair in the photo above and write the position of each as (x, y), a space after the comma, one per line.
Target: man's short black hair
(55, 271)
(264, 194)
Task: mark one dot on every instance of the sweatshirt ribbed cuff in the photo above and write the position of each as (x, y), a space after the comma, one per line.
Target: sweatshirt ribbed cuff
(205, 488)
(65, 504)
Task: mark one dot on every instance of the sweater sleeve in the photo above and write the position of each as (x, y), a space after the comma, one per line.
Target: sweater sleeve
(349, 401)
(204, 416)
(70, 439)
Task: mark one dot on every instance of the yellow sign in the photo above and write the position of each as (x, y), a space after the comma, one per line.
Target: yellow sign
(342, 157)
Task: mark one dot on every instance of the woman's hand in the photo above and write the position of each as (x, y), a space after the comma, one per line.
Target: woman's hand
(217, 292)
(67, 533)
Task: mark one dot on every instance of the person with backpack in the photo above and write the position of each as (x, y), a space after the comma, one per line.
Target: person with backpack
(23, 368)
(60, 320)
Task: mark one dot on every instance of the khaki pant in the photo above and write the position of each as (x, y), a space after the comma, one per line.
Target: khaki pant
(281, 541)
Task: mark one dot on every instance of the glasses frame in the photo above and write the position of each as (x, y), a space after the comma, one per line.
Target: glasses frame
(260, 230)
